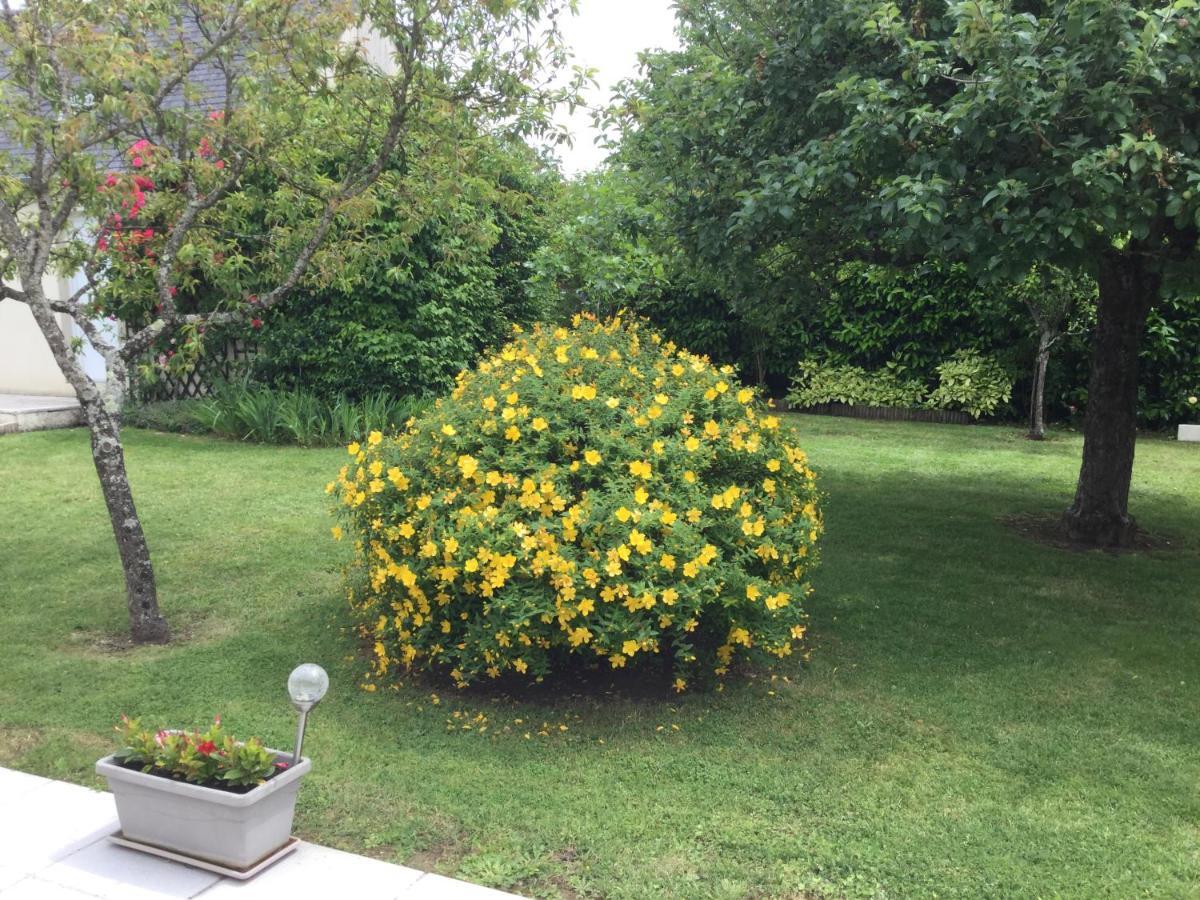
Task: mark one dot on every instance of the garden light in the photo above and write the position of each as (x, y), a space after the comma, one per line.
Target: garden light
(306, 686)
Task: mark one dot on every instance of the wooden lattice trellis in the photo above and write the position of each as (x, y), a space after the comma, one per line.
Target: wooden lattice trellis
(227, 363)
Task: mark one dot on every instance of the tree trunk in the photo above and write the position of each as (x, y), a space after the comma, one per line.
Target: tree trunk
(1100, 514)
(146, 624)
(1037, 398)
(100, 409)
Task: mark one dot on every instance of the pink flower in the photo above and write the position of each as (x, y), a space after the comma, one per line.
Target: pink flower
(139, 146)
(102, 244)
(219, 164)
(216, 115)
(256, 323)
(283, 765)
(142, 182)
(110, 181)
(205, 748)
(138, 162)
(148, 233)
(160, 738)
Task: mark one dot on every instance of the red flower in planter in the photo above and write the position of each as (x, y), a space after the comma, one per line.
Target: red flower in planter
(206, 748)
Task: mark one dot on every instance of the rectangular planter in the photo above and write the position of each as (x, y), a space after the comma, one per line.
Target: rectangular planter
(1189, 432)
(233, 830)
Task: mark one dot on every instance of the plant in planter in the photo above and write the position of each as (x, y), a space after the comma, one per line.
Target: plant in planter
(203, 795)
(1191, 432)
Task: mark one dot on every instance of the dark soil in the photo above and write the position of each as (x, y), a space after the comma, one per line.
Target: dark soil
(215, 785)
(1047, 528)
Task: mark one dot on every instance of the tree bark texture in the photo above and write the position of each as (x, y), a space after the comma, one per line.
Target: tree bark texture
(146, 624)
(1037, 397)
(1099, 516)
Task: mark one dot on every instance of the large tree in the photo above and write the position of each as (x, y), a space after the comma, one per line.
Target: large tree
(997, 132)
(133, 132)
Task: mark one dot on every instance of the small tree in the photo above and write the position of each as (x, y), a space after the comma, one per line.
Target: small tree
(1057, 301)
(131, 132)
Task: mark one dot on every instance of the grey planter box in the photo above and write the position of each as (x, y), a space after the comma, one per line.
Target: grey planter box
(234, 830)
(1189, 432)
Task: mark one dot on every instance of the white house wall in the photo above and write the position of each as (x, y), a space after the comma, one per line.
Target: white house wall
(26, 364)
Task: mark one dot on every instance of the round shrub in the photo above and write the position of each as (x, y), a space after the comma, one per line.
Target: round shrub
(585, 491)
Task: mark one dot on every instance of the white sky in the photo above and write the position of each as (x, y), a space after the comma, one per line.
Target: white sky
(607, 36)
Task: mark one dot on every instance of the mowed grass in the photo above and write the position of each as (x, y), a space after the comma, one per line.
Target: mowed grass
(982, 715)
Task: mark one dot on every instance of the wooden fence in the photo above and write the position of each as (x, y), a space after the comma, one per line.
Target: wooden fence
(226, 363)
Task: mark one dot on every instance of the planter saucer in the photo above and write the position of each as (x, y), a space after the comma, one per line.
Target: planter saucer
(209, 865)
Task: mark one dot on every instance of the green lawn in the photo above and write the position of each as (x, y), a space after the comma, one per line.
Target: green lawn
(982, 715)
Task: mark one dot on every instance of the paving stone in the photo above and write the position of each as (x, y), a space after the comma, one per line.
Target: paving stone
(439, 887)
(47, 824)
(36, 889)
(117, 873)
(315, 871)
(14, 783)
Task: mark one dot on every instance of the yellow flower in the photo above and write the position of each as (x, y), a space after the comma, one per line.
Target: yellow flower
(629, 648)
(667, 562)
(512, 433)
(640, 469)
(772, 465)
(752, 592)
(591, 457)
(540, 424)
(712, 429)
(622, 514)
(612, 402)
(641, 495)
(680, 685)
(448, 430)
(519, 665)
(745, 395)
(512, 398)
(583, 392)
(337, 532)
(353, 449)
(692, 444)
(640, 542)
(468, 465)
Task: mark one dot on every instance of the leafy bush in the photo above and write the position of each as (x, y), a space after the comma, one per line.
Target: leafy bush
(179, 416)
(249, 412)
(591, 492)
(968, 381)
(818, 383)
(212, 757)
(267, 415)
(971, 382)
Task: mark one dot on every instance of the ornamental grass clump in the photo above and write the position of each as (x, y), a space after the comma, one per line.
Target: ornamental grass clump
(588, 492)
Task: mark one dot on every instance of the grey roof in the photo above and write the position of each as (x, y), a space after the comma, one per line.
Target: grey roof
(204, 87)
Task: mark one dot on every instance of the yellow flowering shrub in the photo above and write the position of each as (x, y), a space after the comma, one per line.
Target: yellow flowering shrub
(589, 490)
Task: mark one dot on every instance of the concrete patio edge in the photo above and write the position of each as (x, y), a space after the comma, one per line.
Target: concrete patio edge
(54, 844)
